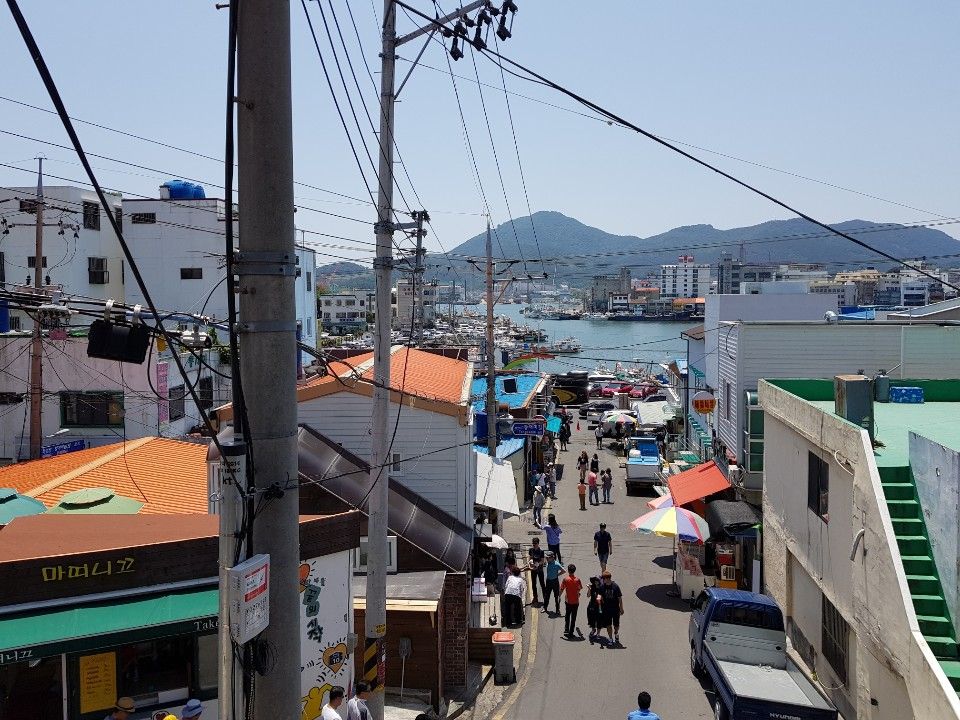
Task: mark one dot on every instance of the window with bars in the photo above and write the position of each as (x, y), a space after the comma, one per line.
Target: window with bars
(15, 322)
(205, 393)
(91, 216)
(192, 273)
(32, 261)
(818, 485)
(177, 404)
(143, 218)
(91, 409)
(834, 638)
(118, 216)
(97, 273)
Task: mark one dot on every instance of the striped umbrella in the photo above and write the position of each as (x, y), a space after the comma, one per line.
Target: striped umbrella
(673, 522)
(663, 501)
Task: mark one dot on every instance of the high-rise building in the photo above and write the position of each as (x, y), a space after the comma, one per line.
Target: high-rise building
(686, 279)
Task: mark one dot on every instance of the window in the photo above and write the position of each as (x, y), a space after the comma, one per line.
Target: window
(15, 322)
(192, 273)
(118, 216)
(97, 271)
(176, 398)
(326, 303)
(143, 218)
(727, 394)
(834, 638)
(91, 409)
(91, 216)
(818, 485)
(205, 393)
(350, 303)
(359, 555)
(156, 666)
(32, 261)
(768, 618)
(395, 464)
(309, 281)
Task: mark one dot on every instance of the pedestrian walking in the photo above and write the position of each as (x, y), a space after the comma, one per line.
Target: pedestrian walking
(536, 555)
(595, 464)
(583, 464)
(538, 502)
(571, 587)
(606, 484)
(592, 484)
(553, 532)
(643, 709)
(552, 481)
(335, 700)
(357, 705)
(513, 592)
(612, 607)
(602, 545)
(582, 491)
(598, 433)
(564, 436)
(594, 603)
(554, 570)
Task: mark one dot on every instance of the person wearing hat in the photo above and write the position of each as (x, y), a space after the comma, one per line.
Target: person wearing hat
(192, 710)
(538, 502)
(122, 710)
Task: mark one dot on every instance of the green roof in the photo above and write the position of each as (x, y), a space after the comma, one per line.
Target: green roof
(89, 627)
(935, 418)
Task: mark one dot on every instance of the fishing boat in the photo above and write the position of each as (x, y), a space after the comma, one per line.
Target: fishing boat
(626, 316)
(567, 346)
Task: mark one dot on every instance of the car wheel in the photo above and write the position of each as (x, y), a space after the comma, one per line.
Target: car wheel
(719, 711)
(695, 667)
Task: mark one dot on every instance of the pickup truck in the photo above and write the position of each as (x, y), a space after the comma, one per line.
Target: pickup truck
(737, 639)
(643, 463)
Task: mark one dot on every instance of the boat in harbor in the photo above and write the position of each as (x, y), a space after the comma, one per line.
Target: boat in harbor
(567, 346)
(626, 316)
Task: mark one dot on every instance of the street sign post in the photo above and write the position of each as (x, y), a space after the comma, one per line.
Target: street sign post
(529, 428)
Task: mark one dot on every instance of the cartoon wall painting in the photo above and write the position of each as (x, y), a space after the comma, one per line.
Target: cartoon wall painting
(326, 622)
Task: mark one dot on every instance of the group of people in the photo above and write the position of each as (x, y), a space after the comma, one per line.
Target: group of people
(356, 706)
(593, 480)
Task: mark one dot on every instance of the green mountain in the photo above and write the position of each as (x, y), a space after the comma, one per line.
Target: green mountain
(344, 275)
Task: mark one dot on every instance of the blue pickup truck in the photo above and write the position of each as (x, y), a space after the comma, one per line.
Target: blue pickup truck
(737, 639)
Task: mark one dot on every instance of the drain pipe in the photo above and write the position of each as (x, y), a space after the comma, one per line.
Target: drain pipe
(856, 544)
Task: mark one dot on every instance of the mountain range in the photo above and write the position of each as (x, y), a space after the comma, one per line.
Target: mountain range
(575, 251)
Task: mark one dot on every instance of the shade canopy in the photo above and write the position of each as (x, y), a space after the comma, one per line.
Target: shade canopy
(96, 501)
(496, 487)
(697, 483)
(14, 505)
(673, 522)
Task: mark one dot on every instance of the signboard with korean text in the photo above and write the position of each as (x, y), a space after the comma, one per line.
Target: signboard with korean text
(326, 624)
(529, 428)
(98, 682)
(703, 402)
(62, 448)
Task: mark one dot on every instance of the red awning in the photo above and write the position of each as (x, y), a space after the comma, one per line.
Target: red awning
(699, 482)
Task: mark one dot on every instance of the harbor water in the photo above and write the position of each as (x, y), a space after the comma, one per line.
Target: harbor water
(605, 341)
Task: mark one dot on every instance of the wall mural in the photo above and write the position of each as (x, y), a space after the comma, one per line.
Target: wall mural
(326, 621)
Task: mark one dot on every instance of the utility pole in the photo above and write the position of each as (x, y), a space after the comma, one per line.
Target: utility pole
(491, 357)
(416, 332)
(36, 344)
(266, 270)
(375, 617)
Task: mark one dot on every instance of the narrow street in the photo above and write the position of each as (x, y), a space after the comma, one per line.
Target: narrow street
(580, 679)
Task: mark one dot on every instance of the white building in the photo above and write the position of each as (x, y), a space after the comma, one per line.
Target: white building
(686, 279)
(81, 253)
(179, 247)
(88, 402)
(860, 543)
(432, 453)
(406, 300)
(915, 292)
(346, 311)
(749, 351)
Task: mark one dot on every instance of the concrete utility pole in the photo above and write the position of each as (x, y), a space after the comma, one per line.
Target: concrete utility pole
(419, 216)
(266, 268)
(36, 344)
(491, 357)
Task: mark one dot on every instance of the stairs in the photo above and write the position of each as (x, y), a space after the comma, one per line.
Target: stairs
(921, 570)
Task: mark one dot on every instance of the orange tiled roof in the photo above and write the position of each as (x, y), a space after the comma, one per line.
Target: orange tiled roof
(169, 476)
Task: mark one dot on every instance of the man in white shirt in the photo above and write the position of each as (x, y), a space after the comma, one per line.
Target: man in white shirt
(329, 711)
(357, 705)
(513, 592)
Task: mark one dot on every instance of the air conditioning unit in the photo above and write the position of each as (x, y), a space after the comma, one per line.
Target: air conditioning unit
(728, 572)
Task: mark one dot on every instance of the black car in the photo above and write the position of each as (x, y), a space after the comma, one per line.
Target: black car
(596, 406)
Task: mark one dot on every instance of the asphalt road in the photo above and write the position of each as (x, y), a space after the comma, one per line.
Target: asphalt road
(579, 679)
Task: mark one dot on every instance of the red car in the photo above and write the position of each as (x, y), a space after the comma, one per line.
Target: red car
(615, 389)
(639, 392)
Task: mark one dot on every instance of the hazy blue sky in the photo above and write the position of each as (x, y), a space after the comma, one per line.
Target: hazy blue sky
(858, 94)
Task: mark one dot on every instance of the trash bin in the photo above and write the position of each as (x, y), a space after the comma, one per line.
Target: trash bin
(504, 672)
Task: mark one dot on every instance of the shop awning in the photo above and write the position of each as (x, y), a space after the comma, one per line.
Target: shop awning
(89, 627)
(696, 483)
(496, 487)
(733, 518)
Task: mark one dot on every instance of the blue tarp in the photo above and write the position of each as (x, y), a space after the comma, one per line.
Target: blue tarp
(505, 449)
(553, 424)
(525, 385)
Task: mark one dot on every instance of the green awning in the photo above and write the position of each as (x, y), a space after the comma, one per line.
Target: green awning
(75, 629)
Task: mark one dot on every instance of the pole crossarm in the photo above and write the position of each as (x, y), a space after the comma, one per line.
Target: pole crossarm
(433, 25)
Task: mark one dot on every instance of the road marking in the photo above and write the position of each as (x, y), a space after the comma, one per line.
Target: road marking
(528, 666)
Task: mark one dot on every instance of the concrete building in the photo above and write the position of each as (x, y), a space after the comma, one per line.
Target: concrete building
(915, 292)
(731, 273)
(179, 247)
(685, 279)
(406, 299)
(88, 402)
(345, 312)
(749, 351)
(844, 292)
(602, 285)
(860, 541)
(81, 256)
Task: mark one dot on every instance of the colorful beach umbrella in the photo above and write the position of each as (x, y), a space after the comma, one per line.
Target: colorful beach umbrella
(673, 522)
(664, 501)
(96, 501)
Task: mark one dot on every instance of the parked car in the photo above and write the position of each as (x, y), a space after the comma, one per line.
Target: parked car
(638, 392)
(656, 397)
(737, 639)
(597, 407)
(615, 389)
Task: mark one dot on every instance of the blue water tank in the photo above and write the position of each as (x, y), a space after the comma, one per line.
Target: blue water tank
(183, 190)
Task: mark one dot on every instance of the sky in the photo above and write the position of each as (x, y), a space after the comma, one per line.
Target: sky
(856, 95)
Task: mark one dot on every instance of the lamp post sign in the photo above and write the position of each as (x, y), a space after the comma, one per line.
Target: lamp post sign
(534, 427)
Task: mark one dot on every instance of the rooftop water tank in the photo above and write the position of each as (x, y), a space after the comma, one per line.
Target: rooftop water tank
(181, 190)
